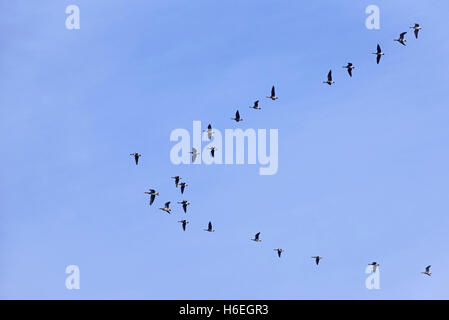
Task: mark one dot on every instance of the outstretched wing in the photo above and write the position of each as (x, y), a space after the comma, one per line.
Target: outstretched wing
(416, 33)
(152, 199)
(428, 268)
(350, 72)
(329, 76)
(237, 115)
(401, 36)
(210, 225)
(182, 188)
(273, 93)
(378, 58)
(379, 50)
(167, 204)
(257, 236)
(184, 206)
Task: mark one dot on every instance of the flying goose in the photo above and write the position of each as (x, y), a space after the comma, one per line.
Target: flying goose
(350, 67)
(375, 265)
(212, 151)
(153, 195)
(237, 117)
(209, 227)
(329, 78)
(256, 237)
(184, 223)
(427, 271)
(194, 153)
(256, 105)
(184, 203)
(401, 39)
(416, 29)
(136, 157)
(177, 178)
(183, 185)
(273, 94)
(379, 53)
(279, 250)
(209, 131)
(166, 207)
(317, 259)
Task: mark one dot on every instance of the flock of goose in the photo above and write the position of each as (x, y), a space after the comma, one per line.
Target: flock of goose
(238, 118)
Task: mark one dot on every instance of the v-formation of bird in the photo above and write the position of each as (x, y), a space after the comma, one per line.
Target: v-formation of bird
(416, 28)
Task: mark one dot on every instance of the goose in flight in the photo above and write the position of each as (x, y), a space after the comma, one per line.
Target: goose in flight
(416, 29)
(237, 117)
(375, 265)
(136, 157)
(194, 153)
(427, 271)
(350, 67)
(401, 39)
(184, 203)
(256, 105)
(212, 151)
(153, 195)
(329, 78)
(379, 53)
(209, 131)
(273, 94)
(184, 224)
(177, 178)
(279, 250)
(183, 186)
(209, 227)
(256, 237)
(317, 259)
(166, 207)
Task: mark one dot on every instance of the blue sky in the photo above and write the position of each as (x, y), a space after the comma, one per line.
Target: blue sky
(363, 165)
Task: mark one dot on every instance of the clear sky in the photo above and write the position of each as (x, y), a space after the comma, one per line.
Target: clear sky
(363, 165)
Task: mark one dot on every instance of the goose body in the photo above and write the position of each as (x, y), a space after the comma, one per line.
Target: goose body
(184, 224)
(416, 29)
(209, 228)
(279, 251)
(136, 157)
(237, 117)
(256, 105)
(273, 94)
(184, 203)
(317, 259)
(166, 207)
(177, 178)
(375, 265)
(194, 153)
(427, 272)
(401, 39)
(209, 131)
(329, 78)
(212, 151)
(183, 186)
(256, 237)
(379, 53)
(349, 67)
(152, 194)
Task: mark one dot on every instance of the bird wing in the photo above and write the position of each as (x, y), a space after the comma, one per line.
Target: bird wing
(194, 156)
(167, 204)
(273, 93)
(152, 199)
(184, 206)
(182, 188)
(256, 103)
(184, 225)
(257, 236)
(209, 127)
(378, 59)
(379, 50)
(329, 75)
(401, 36)
(210, 225)
(237, 115)
(350, 72)
(416, 33)
(428, 268)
